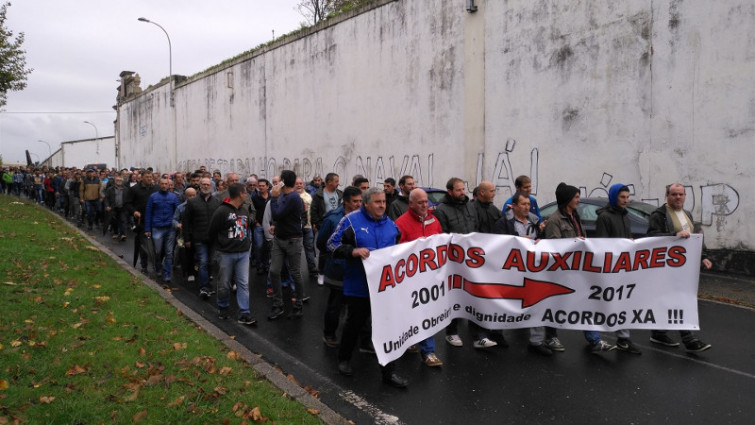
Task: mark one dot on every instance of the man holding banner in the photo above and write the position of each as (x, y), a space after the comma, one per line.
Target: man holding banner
(672, 220)
(416, 223)
(525, 224)
(565, 223)
(358, 233)
(613, 222)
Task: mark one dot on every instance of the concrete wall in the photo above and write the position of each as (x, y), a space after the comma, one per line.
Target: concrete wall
(79, 153)
(592, 93)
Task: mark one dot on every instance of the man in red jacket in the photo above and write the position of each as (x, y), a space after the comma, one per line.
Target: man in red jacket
(418, 222)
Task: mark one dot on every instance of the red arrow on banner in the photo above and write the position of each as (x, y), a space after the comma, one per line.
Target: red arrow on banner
(531, 293)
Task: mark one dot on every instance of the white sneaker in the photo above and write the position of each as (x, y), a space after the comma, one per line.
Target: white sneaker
(321, 279)
(484, 343)
(454, 340)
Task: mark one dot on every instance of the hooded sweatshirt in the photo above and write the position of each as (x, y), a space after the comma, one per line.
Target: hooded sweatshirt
(613, 221)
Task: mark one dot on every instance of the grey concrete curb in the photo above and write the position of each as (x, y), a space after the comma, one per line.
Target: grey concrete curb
(277, 378)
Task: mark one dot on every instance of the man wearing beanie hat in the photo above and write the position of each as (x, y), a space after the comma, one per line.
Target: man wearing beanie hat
(613, 222)
(565, 223)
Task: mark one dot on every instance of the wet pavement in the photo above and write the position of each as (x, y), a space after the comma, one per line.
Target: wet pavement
(511, 385)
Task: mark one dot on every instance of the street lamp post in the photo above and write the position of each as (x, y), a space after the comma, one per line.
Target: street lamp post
(170, 57)
(49, 149)
(96, 133)
(96, 137)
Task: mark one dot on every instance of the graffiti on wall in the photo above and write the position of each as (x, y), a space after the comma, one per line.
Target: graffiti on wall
(376, 171)
(717, 201)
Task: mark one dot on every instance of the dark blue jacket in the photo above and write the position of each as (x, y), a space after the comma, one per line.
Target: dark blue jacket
(286, 211)
(359, 230)
(160, 209)
(334, 267)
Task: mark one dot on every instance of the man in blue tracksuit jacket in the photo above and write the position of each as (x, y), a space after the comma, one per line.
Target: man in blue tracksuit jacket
(357, 234)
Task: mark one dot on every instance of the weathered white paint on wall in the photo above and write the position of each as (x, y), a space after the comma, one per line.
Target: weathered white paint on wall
(592, 93)
(79, 153)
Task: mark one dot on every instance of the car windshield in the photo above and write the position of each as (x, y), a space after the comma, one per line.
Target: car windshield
(641, 209)
(435, 197)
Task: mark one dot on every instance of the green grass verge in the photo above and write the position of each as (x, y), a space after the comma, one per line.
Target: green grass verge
(84, 342)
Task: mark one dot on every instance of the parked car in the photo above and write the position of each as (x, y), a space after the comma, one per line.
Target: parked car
(639, 214)
(434, 196)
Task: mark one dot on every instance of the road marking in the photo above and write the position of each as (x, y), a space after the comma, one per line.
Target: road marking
(380, 417)
(690, 356)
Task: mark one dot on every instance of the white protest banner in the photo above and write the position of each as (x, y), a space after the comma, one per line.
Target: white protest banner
(506, 282)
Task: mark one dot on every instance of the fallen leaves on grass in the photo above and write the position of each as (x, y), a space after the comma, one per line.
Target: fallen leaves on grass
(75, 370)
(139, 416)
(154, 379)
(243, 411)
(177, 401)
(46, 399)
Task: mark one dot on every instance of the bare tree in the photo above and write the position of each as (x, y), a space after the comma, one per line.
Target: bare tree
(315, 11)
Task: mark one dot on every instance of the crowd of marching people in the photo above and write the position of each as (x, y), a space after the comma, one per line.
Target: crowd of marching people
(217, 228)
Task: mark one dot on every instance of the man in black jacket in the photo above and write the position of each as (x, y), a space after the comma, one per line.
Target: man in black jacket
(136, 205)
(230, 234)
(400, 204)
(196, 226)
(672, 220)
(456, 214)
(519, 221)
(287, 209)
(613, 223)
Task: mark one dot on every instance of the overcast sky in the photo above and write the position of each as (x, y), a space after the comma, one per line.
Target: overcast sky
(78, 48)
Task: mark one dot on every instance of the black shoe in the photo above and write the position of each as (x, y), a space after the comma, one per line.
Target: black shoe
(696, 346)
(664, 339)
(330, 341)
(623, 344)
(344, 368)
(369, 349)
(394, 380)
(247, 319)
(204, 293)
(540, 349)
(223, 314)
(305, 298)
(275, 313)
(296, 313)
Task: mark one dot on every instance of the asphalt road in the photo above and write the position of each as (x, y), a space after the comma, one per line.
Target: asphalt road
(511, 385)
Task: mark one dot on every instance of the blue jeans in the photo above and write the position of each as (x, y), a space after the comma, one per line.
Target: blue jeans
(286, 249)
(309, 250)
(203, 254)
(593, 337)
(93, 207)
(261, 255)
(164, 239)
(427, 346)
(234, 264)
